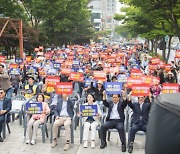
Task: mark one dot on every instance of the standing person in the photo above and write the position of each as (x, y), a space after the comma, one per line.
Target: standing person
(91, 121)
(64, 114)
(36, 120)
(5, 107)
(5, 83)
(139, 120)
(115, 119)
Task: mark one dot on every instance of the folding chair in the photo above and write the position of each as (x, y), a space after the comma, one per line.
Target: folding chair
(6, 123)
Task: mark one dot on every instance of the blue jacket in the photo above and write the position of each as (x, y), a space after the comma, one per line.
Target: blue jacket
(70, 107)
(7, 104)
(138, 113)
(120, 108)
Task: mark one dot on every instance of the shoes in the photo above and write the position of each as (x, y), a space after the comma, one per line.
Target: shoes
(123, 148)
(28, 141)
(130, 149)
(103, 145)
(54, 143)
(92, 144)
(33, 142)
(85, 145)
(1, 139)
(67, 146)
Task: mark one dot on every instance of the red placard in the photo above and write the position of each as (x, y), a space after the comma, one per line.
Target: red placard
(170, 88)
(155, 60)
(75, 76)
(135, 70)
(140, 89)
(64, 88)
(136, 74)
(2, 59)
(146, 79)
(153, 66)
(111, 60)
(167, 67)
(132, 80)
(52, 81)
(155, 80)
(28, 58)
(66, 71)
(161, 64)
(68, 63)
(177, 54)
(13, 65)
(100, 75)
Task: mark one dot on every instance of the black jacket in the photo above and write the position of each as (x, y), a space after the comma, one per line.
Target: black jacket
(7, 104)
(138, 113)
(120, 108)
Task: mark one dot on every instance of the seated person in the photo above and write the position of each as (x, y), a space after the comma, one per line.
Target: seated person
(31, 89)
(5, 107)
(91, 121)
(36, 120)
(64, 114)
(140, 117)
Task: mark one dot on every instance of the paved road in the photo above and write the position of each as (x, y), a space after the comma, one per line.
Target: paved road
(14, 144)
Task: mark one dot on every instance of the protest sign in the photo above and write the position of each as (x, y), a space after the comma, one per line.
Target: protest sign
(113, 87)
(64, 88)
(52, 80)
(34, 108)
(14, 71)
(170, 88)
(88, 110)
(132, 80)
(100, 75)
(140, 89)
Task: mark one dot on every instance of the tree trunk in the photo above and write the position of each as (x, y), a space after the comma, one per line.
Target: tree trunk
(152, 45)
(169, 48)
(156, 45)
(164, 49)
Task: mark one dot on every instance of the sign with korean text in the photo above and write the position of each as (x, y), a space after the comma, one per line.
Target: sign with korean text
(140, 90)
(13, 65)
(64, 88)
(2, 59)
(18, 60)
(113, 87)
(132, 80)
(100, 75)
(14, 71)
(52, 81)
(177, 54)
(146, 79)
(34, 108)
(167, 67)
(88, 110)
(32, 69)
(155, 60)
(170, 88)
(75, 76)
(122, 77)
(66, 71)
(57, 66)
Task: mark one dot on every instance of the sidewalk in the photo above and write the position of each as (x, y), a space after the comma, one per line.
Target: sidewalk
(15, 144)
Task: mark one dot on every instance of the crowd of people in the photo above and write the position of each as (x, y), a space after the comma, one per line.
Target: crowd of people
(88, 68)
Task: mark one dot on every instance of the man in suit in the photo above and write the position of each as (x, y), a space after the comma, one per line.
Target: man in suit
(140, 117)
(64, 114)
(115, 119)
(5, 107)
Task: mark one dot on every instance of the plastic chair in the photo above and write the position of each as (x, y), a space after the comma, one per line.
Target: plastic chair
(17, 107)
(62, 128)
(6, 124)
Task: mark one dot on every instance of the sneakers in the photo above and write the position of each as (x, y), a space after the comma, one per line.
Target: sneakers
(85, 144)
(67, 146)
(1, 139)
(130, 149)
(33, 142)
(92, 144)
(28, 141)
(54, 143)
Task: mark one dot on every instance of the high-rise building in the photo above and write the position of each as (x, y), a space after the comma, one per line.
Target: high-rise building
(103, 12)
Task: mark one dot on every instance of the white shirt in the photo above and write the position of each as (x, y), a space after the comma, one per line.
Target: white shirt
(114, 113)
(64, 110)
(54, 99)
(141, 104)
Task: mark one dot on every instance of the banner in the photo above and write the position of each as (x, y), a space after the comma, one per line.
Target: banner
(28, 58)
(18, 60)
(2, 59)
(88, 110)
(57, 66)
(155, 80)
(100, 75)
(13, 65)
(132, 80)
(167, 67)
(113, 87)
(155, 61)
(177, 54)
(140, 90)
(64, 88)
(76, 76)
(170, 88)
(146, 79)
(34, 108)
(32, 69)
(136, 74)
(14, 71)
(153, 67)
(122, 77)
(52, 80)
(66, 71)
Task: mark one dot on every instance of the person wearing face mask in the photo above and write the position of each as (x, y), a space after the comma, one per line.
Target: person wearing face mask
(36, 120)
(140, 116)
(91, 121)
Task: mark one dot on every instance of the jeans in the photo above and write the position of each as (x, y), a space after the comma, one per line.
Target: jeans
(9, 93)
